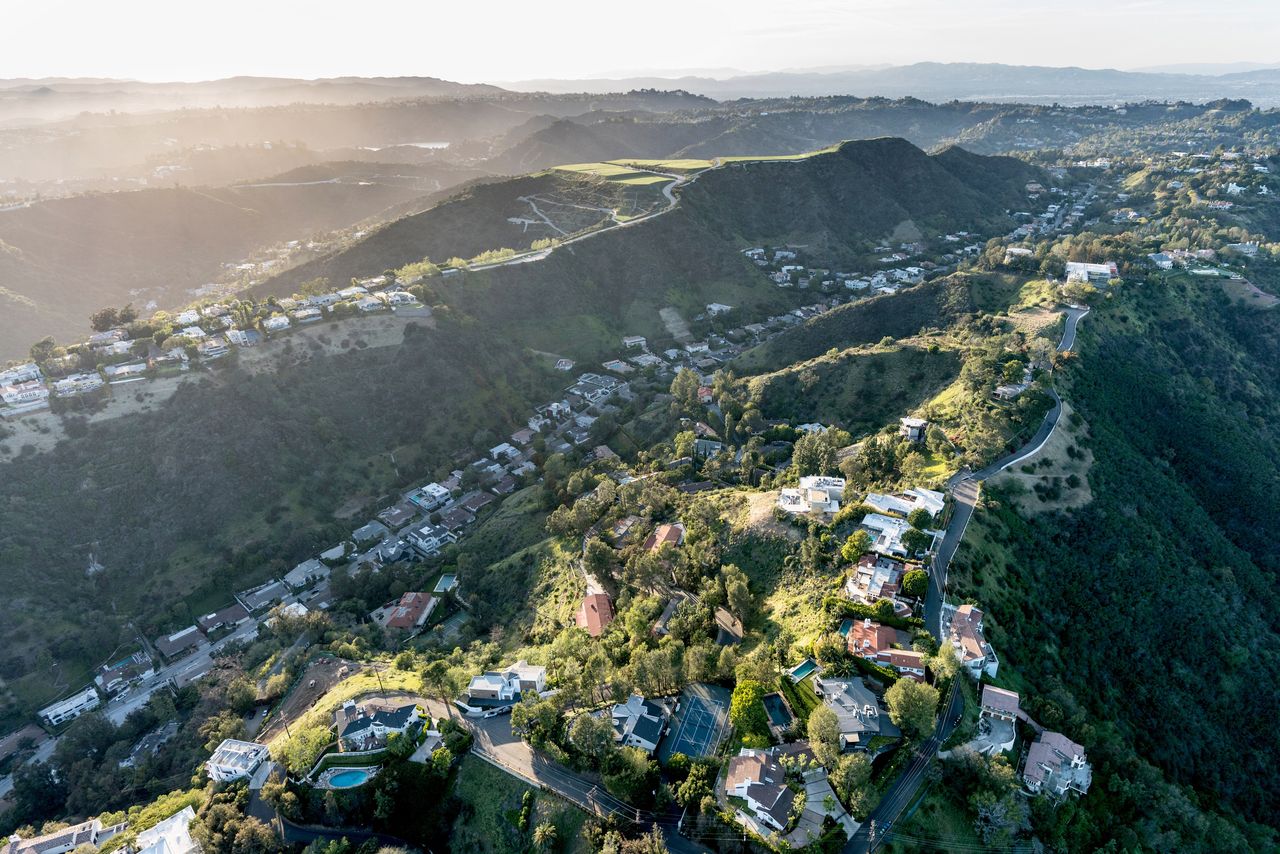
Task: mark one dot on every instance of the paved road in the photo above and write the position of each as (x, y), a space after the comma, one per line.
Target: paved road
(871, 833)
(964, 488)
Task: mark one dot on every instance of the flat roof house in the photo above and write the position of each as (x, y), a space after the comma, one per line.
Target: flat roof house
(235, 760)
(306, 573)
(171, 836)
(84, 700)
(496, 691)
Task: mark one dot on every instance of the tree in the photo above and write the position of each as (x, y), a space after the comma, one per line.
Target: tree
(42, 350)
(737, 592)
(405, 660)
(439, 683)
(851, 773)
(824, 735)
(631, 775)
(915, 583)
(911, 706)
(684, 391)
(920, 518)
(104, 319)
(593, 736)
(746, 708)
(855, 546)
(916, 540)
(303, 748)
(544, 836)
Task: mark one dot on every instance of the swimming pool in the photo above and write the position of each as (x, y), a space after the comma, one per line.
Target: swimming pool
(777, 710)
(803, 669)
(350, 778)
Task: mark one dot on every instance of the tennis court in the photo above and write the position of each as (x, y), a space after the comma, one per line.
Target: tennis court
(701, 723)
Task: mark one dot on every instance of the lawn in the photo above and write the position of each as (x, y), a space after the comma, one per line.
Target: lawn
(491, 801)
(748, 158)
(367, 682)
(615, 172)
(677, 165)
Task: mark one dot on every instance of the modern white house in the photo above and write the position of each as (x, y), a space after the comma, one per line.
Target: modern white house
(171, 836)
(91, 832)
(84, 700)
(494, 692)
(816, 494)
(236, 760)
(1079, 271)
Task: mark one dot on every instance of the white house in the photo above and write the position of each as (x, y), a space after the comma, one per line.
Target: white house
(970, 644)
(903, 503)
(496, 691)
(171, 836)
(886, 533)
(275, 323)
(235, 760)
(72, 707)
(1079, 271)
(639, 722)
(430, 496)
(816, 494)
(21, 374)
(429, 539)
(24, 392)
(633, 341)
(1056, 765)
(718, 308)
(78, 384)
(367, 727)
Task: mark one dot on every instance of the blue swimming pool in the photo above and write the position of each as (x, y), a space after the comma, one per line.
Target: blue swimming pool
(845, 627)
(350, 778)
(803, 669)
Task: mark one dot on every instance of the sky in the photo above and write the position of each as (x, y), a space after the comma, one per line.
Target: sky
(502, 40)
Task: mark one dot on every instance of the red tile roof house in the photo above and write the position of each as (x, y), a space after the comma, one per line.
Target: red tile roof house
(907, 662)
(999, 703)
(867, 638)
(411, 611)
(665, 535)
(595, 614)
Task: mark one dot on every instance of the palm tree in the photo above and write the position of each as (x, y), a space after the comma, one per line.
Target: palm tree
(544, 836)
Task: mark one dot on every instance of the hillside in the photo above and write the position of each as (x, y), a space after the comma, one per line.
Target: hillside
(63, 259)
(140, 491)
(1167, 561)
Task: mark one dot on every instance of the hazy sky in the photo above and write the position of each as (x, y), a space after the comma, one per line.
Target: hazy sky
(506, 40)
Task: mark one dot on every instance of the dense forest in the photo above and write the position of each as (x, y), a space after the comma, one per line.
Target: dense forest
(1168, 571)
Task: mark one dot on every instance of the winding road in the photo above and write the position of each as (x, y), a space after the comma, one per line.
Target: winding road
(964, 488)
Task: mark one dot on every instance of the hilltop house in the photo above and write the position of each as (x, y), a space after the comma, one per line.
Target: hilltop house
(494, 692)
(970, 645)
(594, 614)
(912, 429)
(759, 779)
(907, 501)
(886, 533)
(235, 760)
(1056, 765)
(816, 494)
(639, 722)
(368, 726)
(428, 539)
(1078, 271)
(858, 711)
(84, 700)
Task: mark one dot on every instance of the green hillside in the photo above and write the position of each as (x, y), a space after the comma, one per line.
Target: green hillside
(1146, 619)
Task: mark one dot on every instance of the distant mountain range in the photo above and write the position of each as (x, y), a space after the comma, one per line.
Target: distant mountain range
(938, 81)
